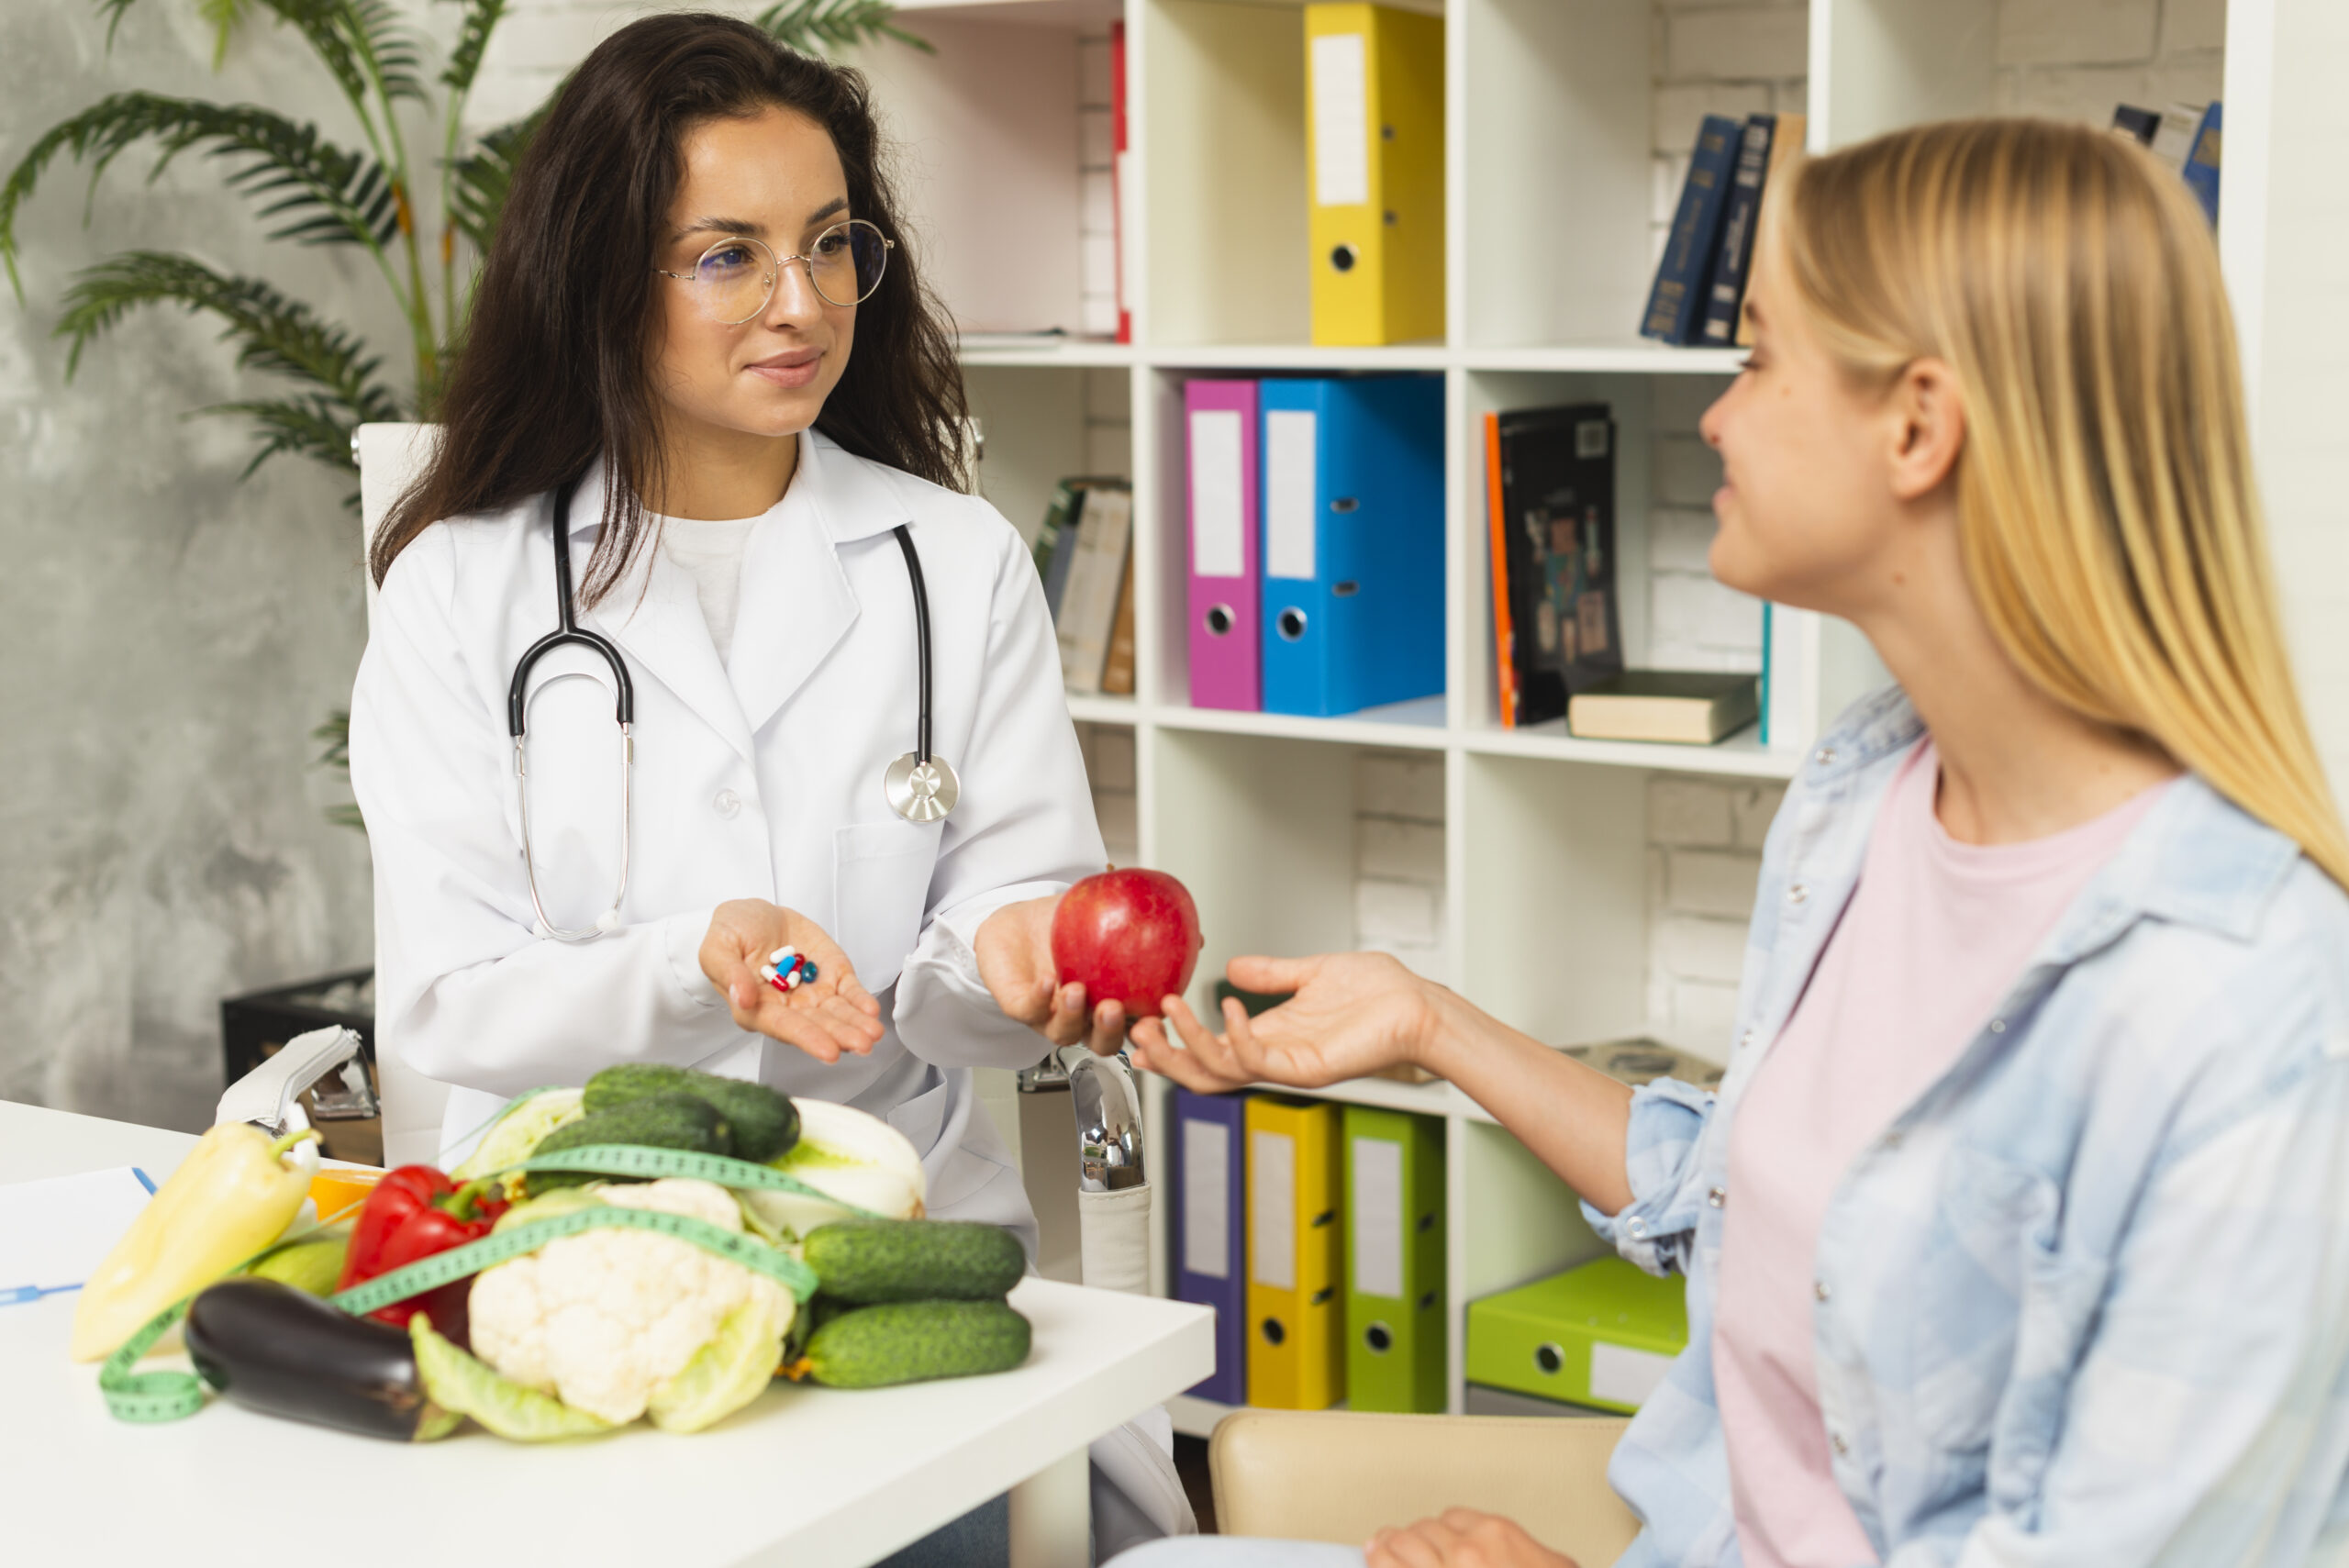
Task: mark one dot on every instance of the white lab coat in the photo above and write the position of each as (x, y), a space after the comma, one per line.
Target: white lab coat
(759, 778)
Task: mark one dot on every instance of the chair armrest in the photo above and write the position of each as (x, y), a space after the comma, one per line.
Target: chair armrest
(1338, 1475)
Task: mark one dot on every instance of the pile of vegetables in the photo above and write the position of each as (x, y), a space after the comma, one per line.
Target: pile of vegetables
(659, 1244)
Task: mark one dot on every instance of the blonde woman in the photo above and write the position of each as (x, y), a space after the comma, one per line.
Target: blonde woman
(2018, 1232)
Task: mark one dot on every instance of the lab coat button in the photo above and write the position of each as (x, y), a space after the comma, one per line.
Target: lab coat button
(1841, 1445)
(1797, 893)
(728, 805)
(1718, 1197)
(1819, 1288)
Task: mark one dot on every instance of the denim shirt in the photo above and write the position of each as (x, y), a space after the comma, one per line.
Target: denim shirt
(2086, 1301)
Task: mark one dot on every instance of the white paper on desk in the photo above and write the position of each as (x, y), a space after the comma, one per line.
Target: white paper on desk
(55, 1232)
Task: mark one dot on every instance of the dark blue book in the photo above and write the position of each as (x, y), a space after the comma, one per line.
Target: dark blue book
(1672, 312)
(2202, 163)
(1733, 255)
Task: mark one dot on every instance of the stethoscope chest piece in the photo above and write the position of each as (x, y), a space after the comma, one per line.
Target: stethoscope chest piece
(921, 791)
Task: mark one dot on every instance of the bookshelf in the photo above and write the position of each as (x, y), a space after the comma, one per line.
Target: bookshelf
(1554, 111)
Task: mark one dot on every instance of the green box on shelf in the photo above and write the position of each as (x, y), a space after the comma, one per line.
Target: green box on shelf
(1600, 1334)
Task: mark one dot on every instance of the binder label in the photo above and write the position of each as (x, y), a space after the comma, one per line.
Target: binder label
(1291, 436)
(1207, 1198)
(1272, 1210)
(1378, 1216)
(1340, 93)
(1621, 1375)
(1218, 515)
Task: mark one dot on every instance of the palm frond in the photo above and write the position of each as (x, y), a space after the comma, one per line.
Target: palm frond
(326, 195)
(481, 180)
(819, 26)
(310, 425)
(334, 739)
(272, 331)
(481, 19)
(380, 34)
(224, 16)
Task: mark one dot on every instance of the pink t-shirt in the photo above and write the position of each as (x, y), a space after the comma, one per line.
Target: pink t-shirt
(1934, 936)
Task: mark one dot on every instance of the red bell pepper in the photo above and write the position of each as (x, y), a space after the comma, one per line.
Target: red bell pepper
(414, 1212)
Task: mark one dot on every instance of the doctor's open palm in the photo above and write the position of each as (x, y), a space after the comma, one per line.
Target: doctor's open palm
(827, 1016)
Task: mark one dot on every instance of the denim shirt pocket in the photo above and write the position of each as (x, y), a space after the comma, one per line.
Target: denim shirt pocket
(2001, 1328)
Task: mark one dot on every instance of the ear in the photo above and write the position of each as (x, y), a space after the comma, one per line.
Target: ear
(1927, 409)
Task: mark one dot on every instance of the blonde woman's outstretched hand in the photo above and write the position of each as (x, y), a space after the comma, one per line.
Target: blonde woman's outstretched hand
(1350, 1014)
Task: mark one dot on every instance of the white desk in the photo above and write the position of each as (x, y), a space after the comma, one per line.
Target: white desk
(810, 1477)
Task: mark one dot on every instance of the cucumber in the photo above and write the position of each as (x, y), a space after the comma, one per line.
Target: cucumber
(912, 1341)
(765, 1124)
(873, 1260)
(659, 1121)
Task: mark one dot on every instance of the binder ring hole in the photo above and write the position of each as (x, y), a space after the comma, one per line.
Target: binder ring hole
(1274, 1333)
(1346, 505)
(1379, 1338)
(1347, 590)
(1343, 258)
(1219, 620)
(1550, 1358)
(1291, 625)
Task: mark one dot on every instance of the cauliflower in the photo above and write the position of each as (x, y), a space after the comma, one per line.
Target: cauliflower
(614, 1322)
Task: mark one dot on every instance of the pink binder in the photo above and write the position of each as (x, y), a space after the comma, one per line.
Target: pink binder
(1219, 490)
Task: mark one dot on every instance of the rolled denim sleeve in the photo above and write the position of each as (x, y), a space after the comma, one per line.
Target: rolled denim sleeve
(1658, 1227)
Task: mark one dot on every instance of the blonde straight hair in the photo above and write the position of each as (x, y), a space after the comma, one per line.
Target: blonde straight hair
(2110, 526)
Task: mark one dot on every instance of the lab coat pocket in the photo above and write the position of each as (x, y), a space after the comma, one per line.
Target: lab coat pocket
(576, 783)
(880, 893)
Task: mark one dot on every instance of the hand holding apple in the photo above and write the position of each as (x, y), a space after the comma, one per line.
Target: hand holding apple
(1129, 936)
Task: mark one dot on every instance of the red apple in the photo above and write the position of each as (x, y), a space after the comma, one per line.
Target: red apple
(1128, 935)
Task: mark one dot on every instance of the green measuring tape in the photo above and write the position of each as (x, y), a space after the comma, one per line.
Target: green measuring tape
(152, 1397)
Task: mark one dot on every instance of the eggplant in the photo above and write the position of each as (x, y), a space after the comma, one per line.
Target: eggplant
(269, 1347)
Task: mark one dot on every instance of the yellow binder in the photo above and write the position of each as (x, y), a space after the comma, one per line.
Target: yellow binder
(1296, 1344)
(1374, 151)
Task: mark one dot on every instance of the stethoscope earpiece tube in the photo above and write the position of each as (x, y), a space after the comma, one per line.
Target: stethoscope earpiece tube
(922, 638)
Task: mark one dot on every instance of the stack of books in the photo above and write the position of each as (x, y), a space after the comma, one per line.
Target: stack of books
(1085, 553)
(1699, 296)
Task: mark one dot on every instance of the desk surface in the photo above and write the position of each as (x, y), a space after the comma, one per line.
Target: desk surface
(808, 1476)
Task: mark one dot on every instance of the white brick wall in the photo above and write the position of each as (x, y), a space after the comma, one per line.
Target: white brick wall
(1705, 851)
(1109, 763)
(1399, 858)
(1096, 143)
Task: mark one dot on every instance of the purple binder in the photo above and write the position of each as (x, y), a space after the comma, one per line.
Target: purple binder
(1210, 1257)
(1220, 508)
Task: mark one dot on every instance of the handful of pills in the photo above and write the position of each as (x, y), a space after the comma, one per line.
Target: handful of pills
(786, 970)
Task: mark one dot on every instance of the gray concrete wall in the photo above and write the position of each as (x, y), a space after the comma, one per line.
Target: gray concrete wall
(167, 635)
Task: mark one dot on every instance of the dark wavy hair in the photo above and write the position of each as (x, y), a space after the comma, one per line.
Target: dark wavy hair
(554, 369)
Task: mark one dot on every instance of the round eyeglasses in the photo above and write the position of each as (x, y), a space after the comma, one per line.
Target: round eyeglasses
(736, 277)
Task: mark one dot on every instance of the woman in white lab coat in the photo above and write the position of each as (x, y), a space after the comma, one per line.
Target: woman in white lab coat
(667, 320)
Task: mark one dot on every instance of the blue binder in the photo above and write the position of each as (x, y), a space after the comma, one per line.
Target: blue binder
(1353, 557)
(1210, 1233)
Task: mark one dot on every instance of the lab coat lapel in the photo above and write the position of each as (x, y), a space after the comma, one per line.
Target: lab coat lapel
(654, 613)
(796, 601)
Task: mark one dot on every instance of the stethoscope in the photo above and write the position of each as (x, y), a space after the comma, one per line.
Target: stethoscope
(919, 786)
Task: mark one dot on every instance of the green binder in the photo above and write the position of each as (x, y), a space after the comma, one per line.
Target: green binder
(1601, 1334)
(1394, 1257)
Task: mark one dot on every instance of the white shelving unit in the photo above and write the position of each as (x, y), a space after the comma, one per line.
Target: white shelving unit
(1550, 122)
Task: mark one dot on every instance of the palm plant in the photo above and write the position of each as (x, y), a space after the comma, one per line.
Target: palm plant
(310, 190)
(314, 191)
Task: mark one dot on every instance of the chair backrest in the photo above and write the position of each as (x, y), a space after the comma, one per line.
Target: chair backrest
(1338, 1475)
(389, 459)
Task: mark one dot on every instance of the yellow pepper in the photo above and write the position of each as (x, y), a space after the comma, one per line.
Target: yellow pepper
(234, 1194)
